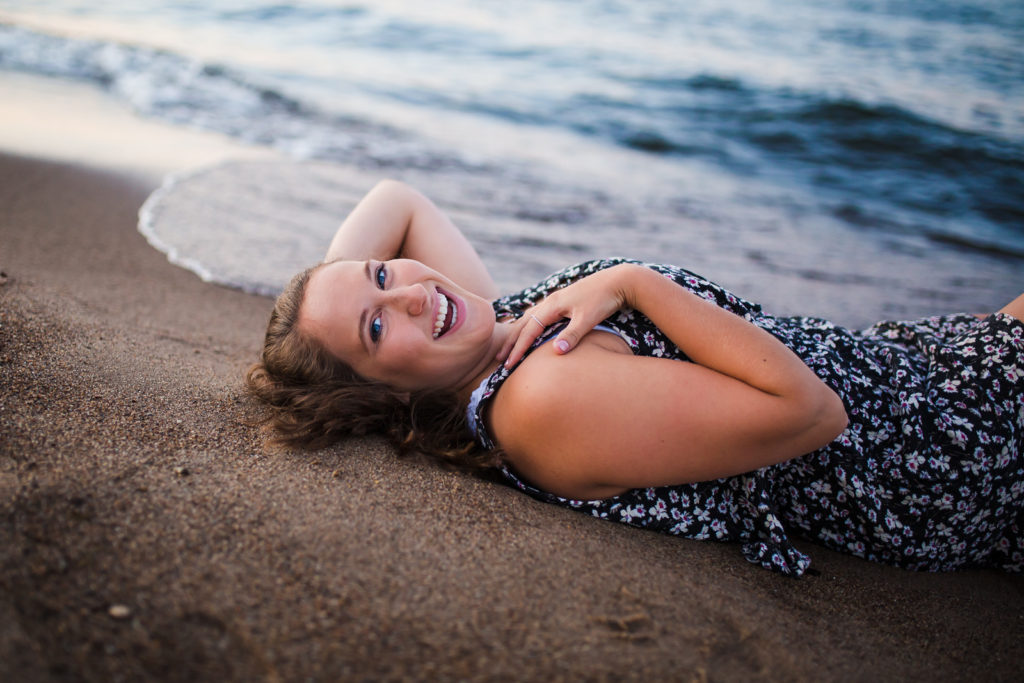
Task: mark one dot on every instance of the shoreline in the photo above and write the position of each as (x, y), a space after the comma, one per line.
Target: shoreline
(145, 533)
(103, 132)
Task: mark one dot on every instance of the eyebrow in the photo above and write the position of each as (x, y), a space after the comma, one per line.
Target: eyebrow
(362, 316)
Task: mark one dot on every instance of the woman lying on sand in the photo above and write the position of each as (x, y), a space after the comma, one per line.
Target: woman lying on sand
(662, 400)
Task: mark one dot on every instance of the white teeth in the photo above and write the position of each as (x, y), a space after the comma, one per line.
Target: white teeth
(442, 312)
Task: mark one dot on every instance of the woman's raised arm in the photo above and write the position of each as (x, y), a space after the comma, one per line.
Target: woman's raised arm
(395, 221)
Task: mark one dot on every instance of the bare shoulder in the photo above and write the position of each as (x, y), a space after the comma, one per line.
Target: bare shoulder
(545, 377)
(545, 384)
(536, 415)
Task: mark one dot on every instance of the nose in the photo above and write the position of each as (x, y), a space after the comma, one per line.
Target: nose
(411, 298)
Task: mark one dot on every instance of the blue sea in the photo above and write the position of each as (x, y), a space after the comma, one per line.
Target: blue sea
(756, 127)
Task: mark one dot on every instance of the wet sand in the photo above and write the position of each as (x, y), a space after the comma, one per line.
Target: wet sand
(147, 534)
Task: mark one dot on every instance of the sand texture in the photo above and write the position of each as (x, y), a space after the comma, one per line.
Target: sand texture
(146, 534)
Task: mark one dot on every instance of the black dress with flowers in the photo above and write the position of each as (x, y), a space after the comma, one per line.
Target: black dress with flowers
(928, 475)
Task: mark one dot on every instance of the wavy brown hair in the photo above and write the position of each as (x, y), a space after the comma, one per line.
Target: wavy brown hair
(314, 399)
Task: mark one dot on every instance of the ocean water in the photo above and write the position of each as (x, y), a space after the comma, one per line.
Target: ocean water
(854, 147)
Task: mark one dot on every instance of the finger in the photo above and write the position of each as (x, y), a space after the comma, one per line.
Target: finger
(514, 329)
(531, 329)
(506, 347)
(522, 343)
(568, 338)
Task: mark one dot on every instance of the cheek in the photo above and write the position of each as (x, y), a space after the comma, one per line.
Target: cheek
(402, 353)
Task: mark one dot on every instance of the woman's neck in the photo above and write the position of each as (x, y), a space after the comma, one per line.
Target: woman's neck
(488, 364)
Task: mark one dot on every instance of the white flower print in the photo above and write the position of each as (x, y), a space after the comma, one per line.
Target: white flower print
(659, 510)
(631, 512)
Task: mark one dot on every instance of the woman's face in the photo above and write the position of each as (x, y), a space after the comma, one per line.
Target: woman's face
(400, 322)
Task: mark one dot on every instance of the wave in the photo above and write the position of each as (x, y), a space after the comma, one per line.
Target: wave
(899, 169)
(185, 91)
(867, 151)
(154, 81)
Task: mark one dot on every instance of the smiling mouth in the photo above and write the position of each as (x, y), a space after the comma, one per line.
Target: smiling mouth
(447, 314)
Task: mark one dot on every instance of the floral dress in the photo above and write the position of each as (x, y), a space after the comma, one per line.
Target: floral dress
(928, 474)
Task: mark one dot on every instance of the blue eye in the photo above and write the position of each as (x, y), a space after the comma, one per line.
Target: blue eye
(375, 326)
(382, 276)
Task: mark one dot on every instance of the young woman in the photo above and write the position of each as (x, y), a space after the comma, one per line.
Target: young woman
(646, 394)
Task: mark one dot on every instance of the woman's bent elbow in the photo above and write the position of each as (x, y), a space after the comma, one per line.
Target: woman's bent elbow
(824, 419)
(834, 419)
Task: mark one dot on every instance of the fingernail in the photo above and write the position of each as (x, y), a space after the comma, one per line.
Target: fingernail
(562, 345)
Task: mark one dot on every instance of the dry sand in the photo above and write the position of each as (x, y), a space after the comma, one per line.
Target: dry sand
(145, 533)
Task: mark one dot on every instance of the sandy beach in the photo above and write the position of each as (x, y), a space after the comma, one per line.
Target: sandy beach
(147, 534)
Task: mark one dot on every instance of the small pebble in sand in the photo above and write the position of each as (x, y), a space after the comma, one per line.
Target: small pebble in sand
(119, 611)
